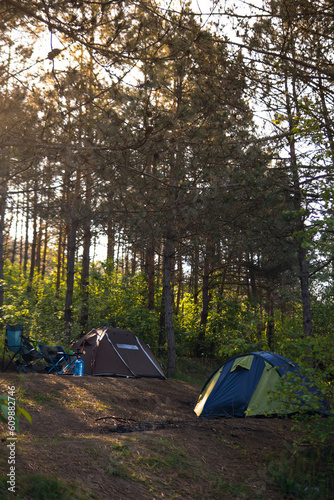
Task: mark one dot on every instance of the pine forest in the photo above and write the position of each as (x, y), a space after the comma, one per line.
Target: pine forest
(167, 168)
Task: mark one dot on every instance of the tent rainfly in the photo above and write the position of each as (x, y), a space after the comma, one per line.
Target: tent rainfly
(241, 387)
(116, 352)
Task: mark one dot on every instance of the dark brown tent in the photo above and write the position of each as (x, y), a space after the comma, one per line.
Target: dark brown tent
(116, 352)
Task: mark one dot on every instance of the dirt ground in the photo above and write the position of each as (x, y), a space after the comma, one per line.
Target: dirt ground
(140, 439)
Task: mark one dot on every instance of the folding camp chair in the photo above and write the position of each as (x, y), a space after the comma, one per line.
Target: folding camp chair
(21, 352)
(30, 355)
(56, 359)
(13, 344)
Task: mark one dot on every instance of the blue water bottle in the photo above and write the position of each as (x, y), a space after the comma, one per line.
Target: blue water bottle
(79, 367)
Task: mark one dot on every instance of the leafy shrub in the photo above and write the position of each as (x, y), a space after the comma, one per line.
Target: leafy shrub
(18, 412)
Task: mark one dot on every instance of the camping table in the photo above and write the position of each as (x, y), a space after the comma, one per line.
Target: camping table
(69, 361)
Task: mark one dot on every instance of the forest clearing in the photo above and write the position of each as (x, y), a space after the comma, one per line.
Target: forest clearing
(167, 168)
(112, 438)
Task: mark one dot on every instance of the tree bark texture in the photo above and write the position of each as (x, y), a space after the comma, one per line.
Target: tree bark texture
(271, 318)
(302, 254)
(150, 277)
(2, 228)
(26, 240)
(167, 293)
(305, 291)
(85, 276)
(34, 245)
(70, 278)
(179, 280)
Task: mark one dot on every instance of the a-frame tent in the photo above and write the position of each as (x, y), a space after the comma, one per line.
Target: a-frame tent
(116, 352)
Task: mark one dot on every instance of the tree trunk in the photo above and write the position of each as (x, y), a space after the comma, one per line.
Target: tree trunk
(150, 277)
(205, 291)
(85, 279)
(70, 278)
(87, 238)
(179, 280)
(305, 291)
(45, 250)
(300, 229)
(133, 261)
(167, 295)
(222, 289)
(21, 253)
(162, 329)
(195, 272)
(252, 277)
(326, 114)
(34, 245)
(39, 246)
(85, 276)
(32, 258)
(271, 319)
(59, 258)
(26, 241)
(2, 229)
(205, 304)
(15, 234)
(111, 242)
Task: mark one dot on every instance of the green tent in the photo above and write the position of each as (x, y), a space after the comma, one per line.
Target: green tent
(249, 385)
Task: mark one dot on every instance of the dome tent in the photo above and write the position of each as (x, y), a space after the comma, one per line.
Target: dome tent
(116, 352)
(241, 385)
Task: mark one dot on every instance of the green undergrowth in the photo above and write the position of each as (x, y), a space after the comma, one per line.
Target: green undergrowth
(194, 370)
(306, 473)
(307, 470)
(43, 487)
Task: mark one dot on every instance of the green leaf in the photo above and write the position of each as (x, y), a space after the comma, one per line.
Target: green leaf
(4, 409)
(22, 411)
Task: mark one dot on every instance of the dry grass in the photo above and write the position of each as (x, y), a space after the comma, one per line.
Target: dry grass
(154, 446)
